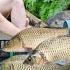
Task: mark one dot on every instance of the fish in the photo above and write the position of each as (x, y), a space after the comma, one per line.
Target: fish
(57, 21)
(55, 49)
(47, 53)
(16, 64)
(30, 38)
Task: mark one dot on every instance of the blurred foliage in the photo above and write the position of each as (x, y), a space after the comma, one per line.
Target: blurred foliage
(45, 9)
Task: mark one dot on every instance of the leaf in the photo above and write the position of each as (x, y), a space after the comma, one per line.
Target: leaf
(45, 9)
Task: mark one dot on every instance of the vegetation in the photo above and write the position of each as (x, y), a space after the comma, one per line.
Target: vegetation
(45, 9)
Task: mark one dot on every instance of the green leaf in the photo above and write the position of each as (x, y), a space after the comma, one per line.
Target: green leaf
(45, 9)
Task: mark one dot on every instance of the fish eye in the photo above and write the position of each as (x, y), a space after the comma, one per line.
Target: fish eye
(29, 59)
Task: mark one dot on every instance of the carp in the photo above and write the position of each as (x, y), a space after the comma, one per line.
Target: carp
(29, 39)
(55, 49)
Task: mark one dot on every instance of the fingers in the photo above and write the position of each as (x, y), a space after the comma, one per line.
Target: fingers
(7, 27)
(27, 23)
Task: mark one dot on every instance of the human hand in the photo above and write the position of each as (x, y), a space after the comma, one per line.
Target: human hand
(19, 21)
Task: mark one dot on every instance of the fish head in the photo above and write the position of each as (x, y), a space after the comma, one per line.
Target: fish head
(57, 23)
(37, 58)
(16, 45)
(58, 19)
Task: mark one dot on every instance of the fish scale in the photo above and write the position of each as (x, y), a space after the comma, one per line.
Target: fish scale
(55, 49)
(31, 38)
(18, 65)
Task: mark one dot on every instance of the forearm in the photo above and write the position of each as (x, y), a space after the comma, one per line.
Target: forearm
(7, 27)
(18, 14)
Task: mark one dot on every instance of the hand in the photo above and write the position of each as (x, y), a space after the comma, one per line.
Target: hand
(18, 17)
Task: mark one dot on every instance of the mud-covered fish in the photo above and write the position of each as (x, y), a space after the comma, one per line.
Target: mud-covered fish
(58, 19)
(31, 38)
(15, 64)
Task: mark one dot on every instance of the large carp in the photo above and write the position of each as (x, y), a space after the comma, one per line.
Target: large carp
(54, 50)
(31, 38)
